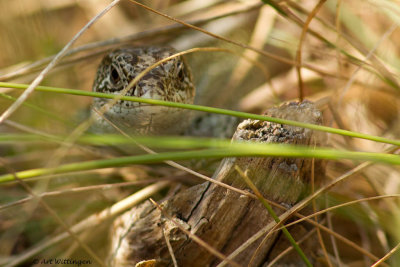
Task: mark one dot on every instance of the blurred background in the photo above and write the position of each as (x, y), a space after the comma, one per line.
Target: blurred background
(350, 64)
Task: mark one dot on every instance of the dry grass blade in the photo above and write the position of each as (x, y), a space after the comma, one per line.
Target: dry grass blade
(66, 227)
(262, 29)
(102, 46)
(181, 167)
(387, 256)
(302, 36)
(93, 220)
(261, 52)
(55, 60)
(354, 42)
(321, 212)
(195, 238)
(289, 249)
(276, 219)
(271, 227)
(370, 54)
(75, 190)
(170, 250)
(325, 188)
(342, 54)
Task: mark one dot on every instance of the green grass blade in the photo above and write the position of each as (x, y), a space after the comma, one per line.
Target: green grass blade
(210, 110)
(235, 150)
(274, 216)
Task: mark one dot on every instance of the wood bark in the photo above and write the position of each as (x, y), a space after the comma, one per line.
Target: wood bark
(223, 218)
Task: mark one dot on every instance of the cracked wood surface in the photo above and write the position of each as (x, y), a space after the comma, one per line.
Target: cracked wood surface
(221, 217)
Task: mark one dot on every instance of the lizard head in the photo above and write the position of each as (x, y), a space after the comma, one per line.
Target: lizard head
(170, 81)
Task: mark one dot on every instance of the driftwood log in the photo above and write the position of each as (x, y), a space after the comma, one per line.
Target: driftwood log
(221, 217)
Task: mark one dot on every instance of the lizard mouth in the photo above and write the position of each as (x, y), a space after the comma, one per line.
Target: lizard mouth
(125, 105)
(141, 119)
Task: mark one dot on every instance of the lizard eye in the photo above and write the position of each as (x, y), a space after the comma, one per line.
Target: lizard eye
(114, 76)
(181, 72)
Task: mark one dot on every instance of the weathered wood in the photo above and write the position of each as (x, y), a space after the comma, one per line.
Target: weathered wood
(223, 218)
